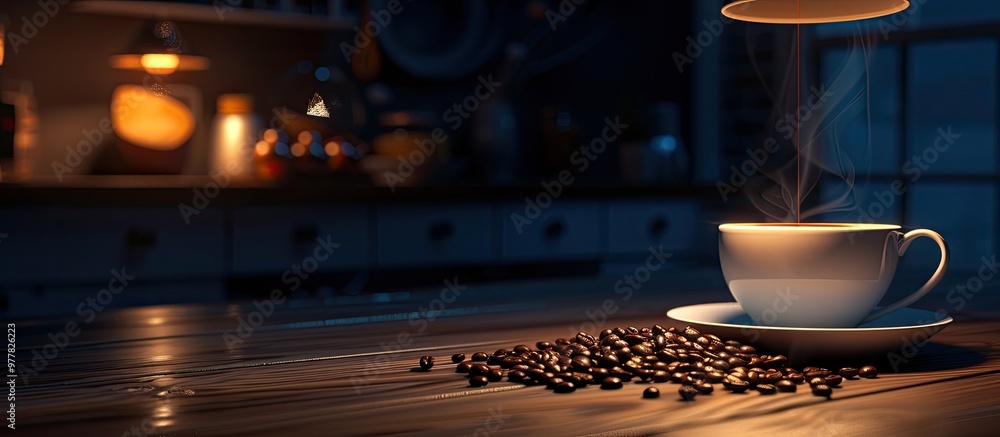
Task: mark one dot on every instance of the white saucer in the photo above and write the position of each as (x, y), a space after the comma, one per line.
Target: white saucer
(894, 332)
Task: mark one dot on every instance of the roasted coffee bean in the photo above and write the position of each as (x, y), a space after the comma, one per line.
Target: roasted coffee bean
(457, 358)
(736, 385)
(581, 363)
(479, 369)
(786, 386)
(543, 345)
(747, 349)
(500, 352)
(634, 339)
(641, 349)
(686, 367)
(426, 362)
(797, 378)
(690, 333)
(817, 381)
(585, 339)
(509, 362)
(704, 388)
(599, 373)
(610, 340)
(721, 364)
(521, 348)
(661, 376)
(611, 383)
(833, 380)
(583, 379)
(552, 383)
(822, 390)
(737, 362)
(565, 387)
(868, 372)
(821, 373)
(644, 374)
(606, 333)
(494, 375)
(463, 367)
(775, 362)
(715, 376)
(659, 330)
(515, 376)
(659, 341)
(766, 389)
(651, 393)
(687, 392)
(849, 372)
(608, 361)
(678, 377)
(619, 331)
(480, 356)
(478, 381)
(772, 376)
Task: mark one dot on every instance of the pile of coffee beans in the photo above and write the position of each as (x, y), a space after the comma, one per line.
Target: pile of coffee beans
(697, 361)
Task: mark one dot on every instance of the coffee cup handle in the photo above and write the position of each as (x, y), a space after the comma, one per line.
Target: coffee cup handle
(935, 278)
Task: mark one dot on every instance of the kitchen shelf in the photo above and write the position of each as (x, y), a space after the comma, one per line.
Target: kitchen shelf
(208, 14)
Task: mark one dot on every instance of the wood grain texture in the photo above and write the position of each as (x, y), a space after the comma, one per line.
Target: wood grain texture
(305, 372)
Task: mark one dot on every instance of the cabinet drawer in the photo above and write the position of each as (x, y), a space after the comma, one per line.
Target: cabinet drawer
(54, 245)
(271, 239)
(563, 231)
(635, 226)
(435, 235)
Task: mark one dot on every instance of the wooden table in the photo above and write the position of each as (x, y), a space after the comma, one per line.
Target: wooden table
(330, 368)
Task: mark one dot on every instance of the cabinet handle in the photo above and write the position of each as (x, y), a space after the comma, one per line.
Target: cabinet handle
(658, 226)
(440, 231)
(555, 230)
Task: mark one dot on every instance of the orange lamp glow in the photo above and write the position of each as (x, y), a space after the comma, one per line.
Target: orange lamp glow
(150, 121)
(159, 64)
(810, 11)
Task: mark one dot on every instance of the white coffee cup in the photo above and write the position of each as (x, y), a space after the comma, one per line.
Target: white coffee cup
(818, 275)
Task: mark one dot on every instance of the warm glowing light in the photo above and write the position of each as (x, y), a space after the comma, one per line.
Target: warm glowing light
(305, 137)
(3, 43)
(159, 64)
(147, 120)
(810, 11)
(332, 148)
(183, 63)
(298, 150)
(262, 148)
(163, 411)
(317, 107)
(271, 136)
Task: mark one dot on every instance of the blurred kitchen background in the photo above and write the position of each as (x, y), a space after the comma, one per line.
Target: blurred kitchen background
(205, 145)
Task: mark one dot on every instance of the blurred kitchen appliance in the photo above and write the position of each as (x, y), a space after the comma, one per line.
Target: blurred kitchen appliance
(159, 49)
(155, 122)
(662, 158)
(235, 133)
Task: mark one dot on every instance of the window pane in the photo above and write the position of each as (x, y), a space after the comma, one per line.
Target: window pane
(952, 94)
(963, 213)
(922, 14)
(849, 73)
(874, 200)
